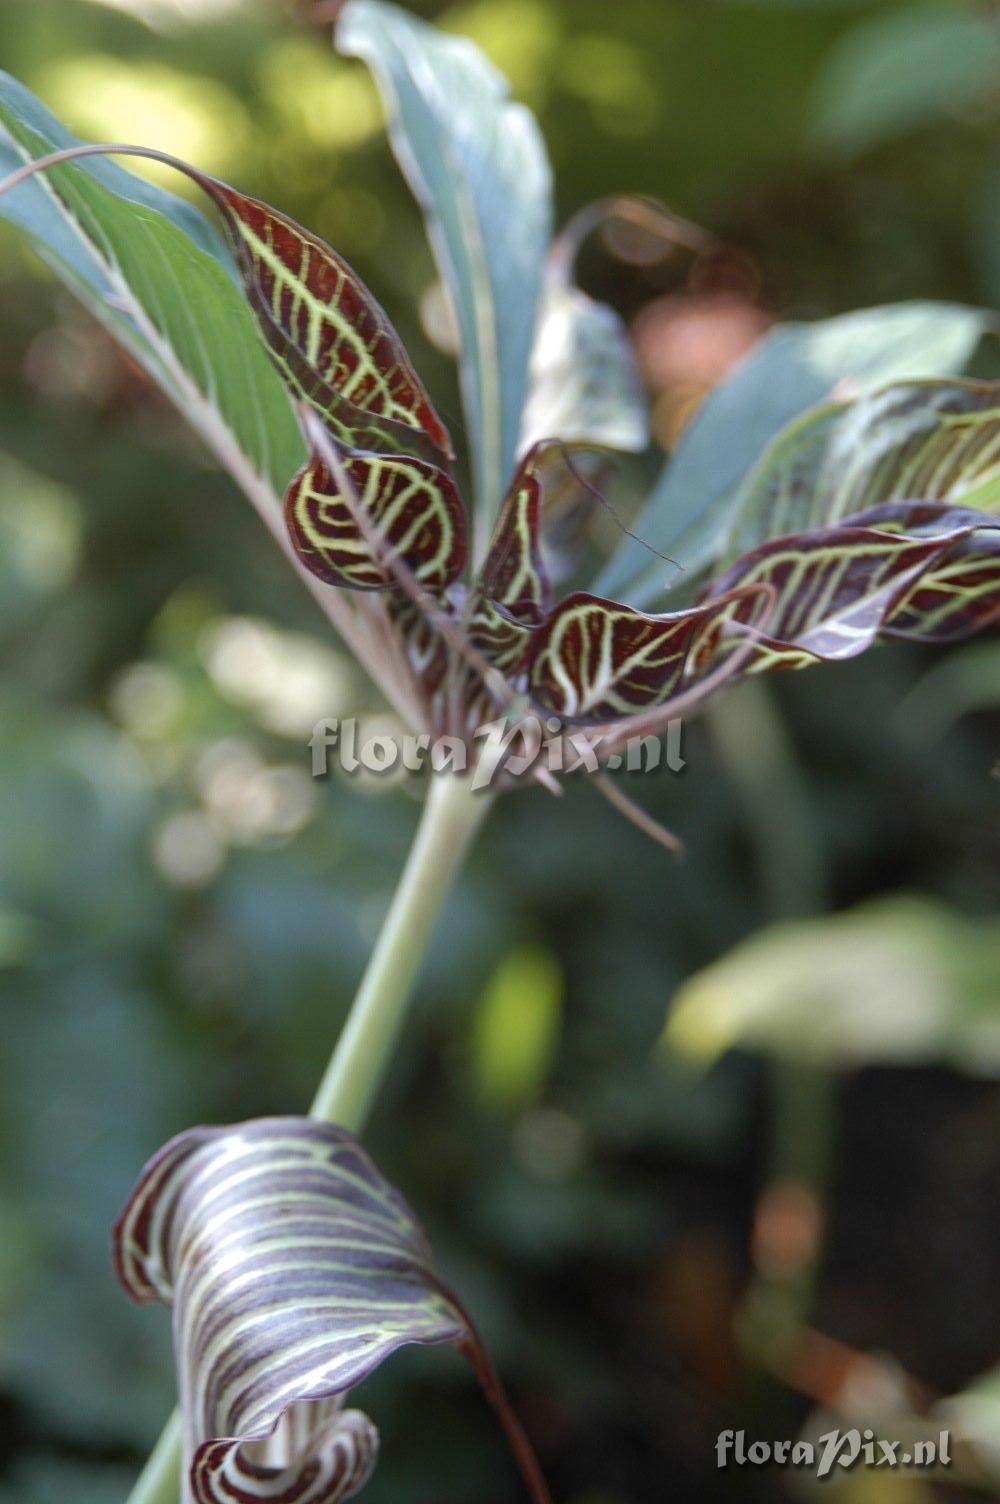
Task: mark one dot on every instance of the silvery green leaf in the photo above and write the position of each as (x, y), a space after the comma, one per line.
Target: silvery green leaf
(476, 163)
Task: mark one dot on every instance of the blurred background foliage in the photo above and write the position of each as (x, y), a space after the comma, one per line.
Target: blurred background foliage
(786, 1209)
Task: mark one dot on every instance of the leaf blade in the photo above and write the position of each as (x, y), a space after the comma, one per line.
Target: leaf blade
(477, 166)
(158, 276)
(793, 369)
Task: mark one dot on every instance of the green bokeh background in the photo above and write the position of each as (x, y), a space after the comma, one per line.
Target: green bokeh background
(184, 912)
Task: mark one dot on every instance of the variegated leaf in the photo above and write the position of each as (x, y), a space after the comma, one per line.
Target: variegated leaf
(598, 660)
(329, 337)
(514, 575)
(916, 440)
(477, 165)
(513, 595)
(833, 589)
(413, 511)
(960, 594)
(293, 1269)
(689, 514)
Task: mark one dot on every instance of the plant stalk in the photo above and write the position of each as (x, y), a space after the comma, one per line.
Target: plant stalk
(451, 816)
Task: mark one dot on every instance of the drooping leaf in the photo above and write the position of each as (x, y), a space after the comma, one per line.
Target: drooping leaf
(595, 659)
(833, 589)
(959, 595)
(477, 165)
(927, 440)
(330, 339)
(157, 275)
(413, 512)
(584, 383)
(794, 368)
(294, 1270)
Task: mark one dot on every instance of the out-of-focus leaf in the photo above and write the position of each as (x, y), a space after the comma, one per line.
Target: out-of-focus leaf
(834, 589)
(584, 383)
(795, 368)
(477, 165)
(929, 441)
(902, 70)
(294, 1270)
(155, 273)
(902, 980)
(516, 1029)
(974, 1416)
(961, 684)
(959, 594)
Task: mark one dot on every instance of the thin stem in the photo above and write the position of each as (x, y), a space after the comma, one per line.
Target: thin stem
(451, 816)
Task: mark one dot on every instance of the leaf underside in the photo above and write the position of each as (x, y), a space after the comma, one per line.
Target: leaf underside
(294, 1269)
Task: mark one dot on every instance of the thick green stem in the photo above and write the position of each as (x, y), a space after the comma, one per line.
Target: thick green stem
(450, 819)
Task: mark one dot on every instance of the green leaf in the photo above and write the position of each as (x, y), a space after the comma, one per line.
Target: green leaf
(159, 278)
(896, 72)
(929, 441)
(795, 368)
(477, 165)
(900, 981)
(294, 1270)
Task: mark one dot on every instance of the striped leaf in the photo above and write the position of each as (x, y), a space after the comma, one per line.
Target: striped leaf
(294, 1270)
(834, 589)
(918, 440)
(689, 514)
(330, 339)
(960, 594)
(597, 660)
(412, 510)
(477, 164)
(514, 594)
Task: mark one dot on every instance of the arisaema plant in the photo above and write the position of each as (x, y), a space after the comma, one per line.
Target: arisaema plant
(837, 490)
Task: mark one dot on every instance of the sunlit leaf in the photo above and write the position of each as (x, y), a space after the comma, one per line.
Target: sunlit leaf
(927, 440)
(477, 164)
(413, 513)
(330, 338)
(159, 277)
(294, 1270)
(793, 369)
